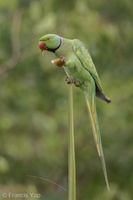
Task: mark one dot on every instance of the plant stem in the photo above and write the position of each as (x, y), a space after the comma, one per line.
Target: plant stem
(71, 151)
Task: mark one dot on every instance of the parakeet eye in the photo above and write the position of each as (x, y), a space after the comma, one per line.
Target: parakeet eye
(47, 39)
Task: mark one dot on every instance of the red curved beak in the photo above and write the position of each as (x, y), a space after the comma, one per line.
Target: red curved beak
(42, 46)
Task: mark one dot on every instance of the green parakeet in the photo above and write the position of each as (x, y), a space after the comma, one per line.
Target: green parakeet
(81, 70)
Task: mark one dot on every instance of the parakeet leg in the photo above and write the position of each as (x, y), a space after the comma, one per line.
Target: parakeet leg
(70, 80)
(90, 100)
(76, 83)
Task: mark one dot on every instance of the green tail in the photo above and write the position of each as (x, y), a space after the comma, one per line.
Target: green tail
(96, 133)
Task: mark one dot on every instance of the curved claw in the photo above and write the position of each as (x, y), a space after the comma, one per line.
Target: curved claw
(70, 80)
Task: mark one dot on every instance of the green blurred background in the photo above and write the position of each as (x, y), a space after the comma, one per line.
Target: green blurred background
(34, 99)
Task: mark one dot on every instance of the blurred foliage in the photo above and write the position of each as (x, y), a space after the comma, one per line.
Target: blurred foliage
(34, 99)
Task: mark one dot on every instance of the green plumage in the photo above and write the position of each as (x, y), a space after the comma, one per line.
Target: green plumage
(79, 65)
(84, 57)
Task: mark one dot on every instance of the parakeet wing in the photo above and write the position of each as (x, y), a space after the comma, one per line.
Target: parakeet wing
(86, 60)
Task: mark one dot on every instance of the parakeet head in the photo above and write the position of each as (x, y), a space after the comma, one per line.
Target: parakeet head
(50, 42)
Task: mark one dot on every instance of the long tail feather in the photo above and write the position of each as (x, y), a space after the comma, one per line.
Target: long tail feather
(96, 133)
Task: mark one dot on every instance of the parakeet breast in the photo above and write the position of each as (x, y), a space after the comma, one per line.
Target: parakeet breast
(73, 66)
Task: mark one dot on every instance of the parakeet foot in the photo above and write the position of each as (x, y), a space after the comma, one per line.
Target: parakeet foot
(59, 61)
(71, 80)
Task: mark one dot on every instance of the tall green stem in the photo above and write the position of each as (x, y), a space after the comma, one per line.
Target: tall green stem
(71, 151)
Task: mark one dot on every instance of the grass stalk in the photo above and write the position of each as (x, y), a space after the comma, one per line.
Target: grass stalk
(71, 150)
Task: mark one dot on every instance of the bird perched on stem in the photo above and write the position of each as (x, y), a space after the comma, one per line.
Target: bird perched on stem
(80, 69)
